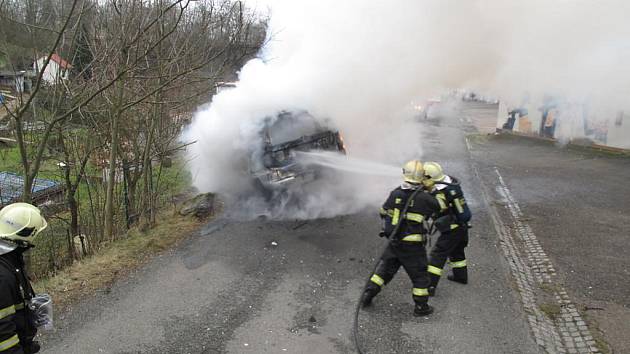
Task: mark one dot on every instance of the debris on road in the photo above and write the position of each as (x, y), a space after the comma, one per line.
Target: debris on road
(201, 206)
(300, 225)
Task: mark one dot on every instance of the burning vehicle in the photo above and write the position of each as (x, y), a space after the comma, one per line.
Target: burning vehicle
(276, 167)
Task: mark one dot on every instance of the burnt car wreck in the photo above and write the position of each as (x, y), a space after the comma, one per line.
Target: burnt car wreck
(276, 167)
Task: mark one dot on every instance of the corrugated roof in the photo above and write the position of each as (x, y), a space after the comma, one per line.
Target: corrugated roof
(12, 186)
(57, 59)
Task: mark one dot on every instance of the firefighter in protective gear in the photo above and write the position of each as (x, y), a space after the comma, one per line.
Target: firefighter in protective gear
(452, 224)
(404, 216)
(19, 224)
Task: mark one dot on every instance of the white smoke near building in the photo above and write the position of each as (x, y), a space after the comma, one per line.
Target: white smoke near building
(361, 63)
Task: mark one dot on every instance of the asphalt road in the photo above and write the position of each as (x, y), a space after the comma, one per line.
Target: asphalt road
(577, 203)
(230, 289)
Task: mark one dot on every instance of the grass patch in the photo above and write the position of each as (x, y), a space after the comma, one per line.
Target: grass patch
(550, 310)
(117, 258)
(599, 151)
(478, 138)
(575, 146)
(10, 160)
(596, 331)
(549, 288)
(601, 344)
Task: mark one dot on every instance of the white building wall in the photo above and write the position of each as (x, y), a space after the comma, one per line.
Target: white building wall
(570, 123)
(619, 131)
(19, 84)
(534, 114)
(606, 126)
(53, 72)
(502, 114)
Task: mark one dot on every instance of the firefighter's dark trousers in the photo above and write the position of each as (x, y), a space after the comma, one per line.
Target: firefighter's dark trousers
(413, 257)
(450, 246)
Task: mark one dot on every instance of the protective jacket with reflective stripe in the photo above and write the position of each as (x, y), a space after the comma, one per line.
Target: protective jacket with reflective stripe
(422, 207)
(453, 203)
(16, 332)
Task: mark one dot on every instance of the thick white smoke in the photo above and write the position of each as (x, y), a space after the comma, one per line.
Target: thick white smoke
(360, 63)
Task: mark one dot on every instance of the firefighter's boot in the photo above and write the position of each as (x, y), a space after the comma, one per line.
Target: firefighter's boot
(460, 275)
(422, 309)
(368, 295)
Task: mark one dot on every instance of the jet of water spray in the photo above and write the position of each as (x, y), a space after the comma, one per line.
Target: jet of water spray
(347, 163)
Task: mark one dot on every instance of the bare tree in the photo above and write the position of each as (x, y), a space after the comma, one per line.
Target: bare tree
(139, 68)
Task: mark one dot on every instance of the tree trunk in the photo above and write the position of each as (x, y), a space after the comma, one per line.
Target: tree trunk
(74, 213)
(147, 171)
(149, 213)
(113, 154)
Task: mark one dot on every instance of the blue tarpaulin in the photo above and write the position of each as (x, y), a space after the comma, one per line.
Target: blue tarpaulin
(12, 186)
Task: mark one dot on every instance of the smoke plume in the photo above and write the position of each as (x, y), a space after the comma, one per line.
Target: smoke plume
(361, 63)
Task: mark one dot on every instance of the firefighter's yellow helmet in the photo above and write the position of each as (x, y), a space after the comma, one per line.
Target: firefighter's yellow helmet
(413, 172)
(434, 171)
(21, 222)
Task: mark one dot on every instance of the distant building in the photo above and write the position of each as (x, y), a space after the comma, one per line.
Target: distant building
(44, 190)
(57, 69)
(12, 80)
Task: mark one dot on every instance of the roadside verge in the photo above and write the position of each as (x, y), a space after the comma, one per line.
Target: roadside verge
(119, 258)
(583, 144)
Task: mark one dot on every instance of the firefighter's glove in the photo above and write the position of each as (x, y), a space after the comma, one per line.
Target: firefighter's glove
(443, 223)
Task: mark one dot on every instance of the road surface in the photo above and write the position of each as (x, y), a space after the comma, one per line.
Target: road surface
(291, 286)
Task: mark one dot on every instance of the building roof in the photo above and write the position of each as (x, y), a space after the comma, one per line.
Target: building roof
(60, 61)
(12, 186)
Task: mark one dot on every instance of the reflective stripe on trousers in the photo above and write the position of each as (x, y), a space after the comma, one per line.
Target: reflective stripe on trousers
(376, 279)
(420, 292)
(459, 264)
(9, 343)
(435, 270)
